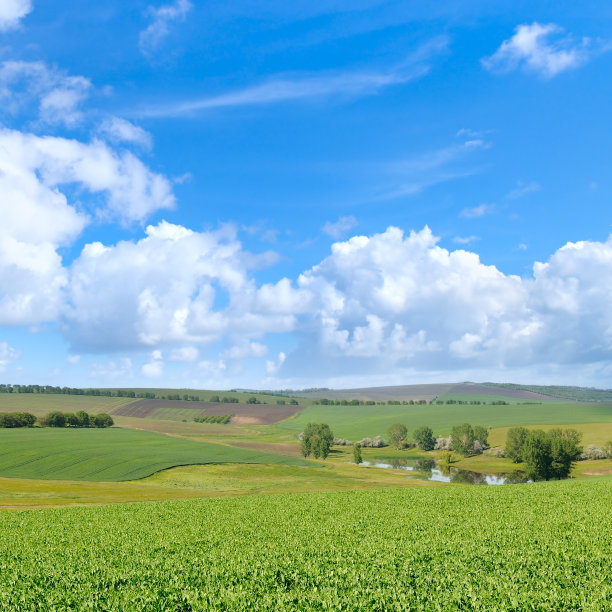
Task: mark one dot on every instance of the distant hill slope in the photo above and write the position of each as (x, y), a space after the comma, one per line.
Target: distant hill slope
(578, 394)
(424, 392)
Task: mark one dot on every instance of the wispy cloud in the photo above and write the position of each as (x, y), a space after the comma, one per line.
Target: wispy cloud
(433, 168)
(541, 49)
(159, 28)
(477, 211)
(523, 189)
(305, 86)
(465, 239)
(340, 227)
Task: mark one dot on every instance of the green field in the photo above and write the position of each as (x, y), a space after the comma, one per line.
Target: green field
(481, 397)
(111, 454)
(42, 403)
(356, 422)
(523, 547)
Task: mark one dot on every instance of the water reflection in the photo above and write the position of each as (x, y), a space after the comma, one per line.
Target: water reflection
(426, 469)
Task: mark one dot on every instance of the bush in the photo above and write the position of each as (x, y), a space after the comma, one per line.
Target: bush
(443, 444)
(593, 452)
(55, 419)
(377, 442)
(341, 442)
(357, 453)
(16, 419)
(103, 420)
(497, 451)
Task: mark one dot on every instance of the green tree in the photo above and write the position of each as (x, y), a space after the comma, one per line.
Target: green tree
(317, 440)
(536, 454)
(103, 420)
(515, 440)
(71, 419)
(397, 435)
(462, 438)
(481, 434)
(55, 419)
(252, 400)
(357, 453)
(424, 438)
(83, 418)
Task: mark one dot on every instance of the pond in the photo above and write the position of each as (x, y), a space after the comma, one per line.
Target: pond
(426, 469)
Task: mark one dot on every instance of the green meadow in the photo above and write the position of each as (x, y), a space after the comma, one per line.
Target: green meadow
(356, 422)
(111, 454)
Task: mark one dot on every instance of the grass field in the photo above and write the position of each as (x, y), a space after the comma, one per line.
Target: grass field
(355, 422)
(523, 547)
(41, 404)
(592, 433)
(111, 454)
(482, 397)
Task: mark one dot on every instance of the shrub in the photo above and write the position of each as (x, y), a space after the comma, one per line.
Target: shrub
(357, 453)
(443, 444)
(593, 452)
(397, 434)
(103, 420)
(341, 442)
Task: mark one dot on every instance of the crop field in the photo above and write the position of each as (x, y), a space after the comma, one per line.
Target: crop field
(111, 454)
(355, 422)
(41, 404)
(259, 414)
(522, 547)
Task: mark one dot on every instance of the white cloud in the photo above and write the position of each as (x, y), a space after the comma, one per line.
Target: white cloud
(162, 290)
(154, 367)
(12, 11)
(159, 28)
(114, 370)
(301, 87)
(465, 239)
(57, 94)
(242, 351)
(340, 227)
(132, 190)
(73, 359)
(185, 354)
(7, 355)
(38, 219)
(272, 367)
(119, 130)
(523, 189)
(539, 48)
(477, 211)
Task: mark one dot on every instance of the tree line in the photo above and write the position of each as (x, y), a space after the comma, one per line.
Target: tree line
(55, 419)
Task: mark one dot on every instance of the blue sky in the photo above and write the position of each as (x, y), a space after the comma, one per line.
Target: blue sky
(286, 195)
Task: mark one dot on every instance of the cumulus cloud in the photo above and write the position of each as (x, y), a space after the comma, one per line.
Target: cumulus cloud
(38, 219)
(120, 369)
(162, 290)
(162, 18)
(541, 49)
(12, 11)
(131, 189)
(340, 227)
(272, 367)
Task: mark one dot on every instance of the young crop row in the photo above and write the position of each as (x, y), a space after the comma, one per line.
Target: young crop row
(537, 547)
